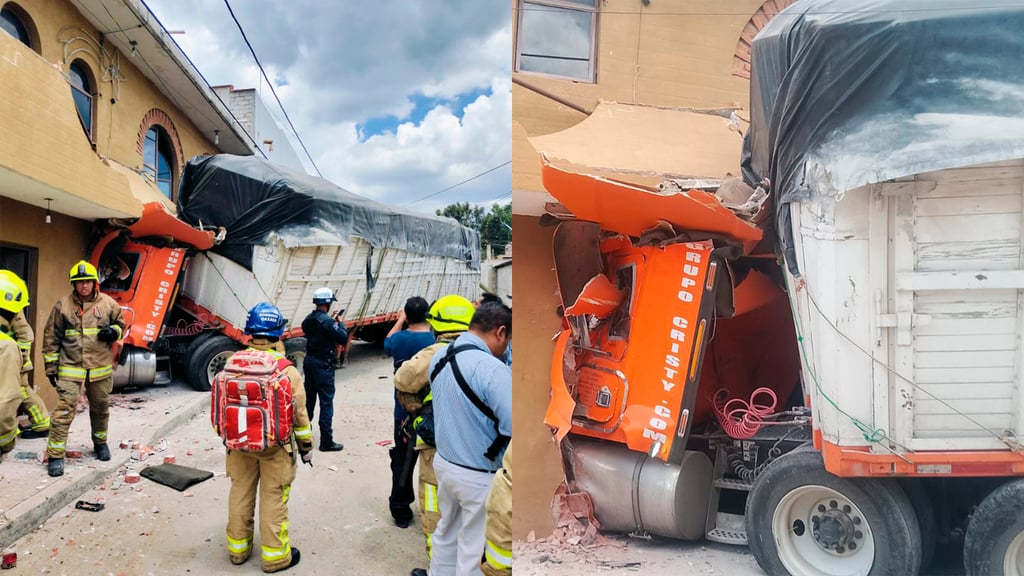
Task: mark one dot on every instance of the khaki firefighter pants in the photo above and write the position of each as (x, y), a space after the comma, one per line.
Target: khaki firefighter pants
(271, 472)
(497, 559)
(98, 393)
(430, 513)
(8, 424)
(33, 405)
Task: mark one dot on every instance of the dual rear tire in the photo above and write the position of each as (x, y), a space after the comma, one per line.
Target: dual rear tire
(803, 521)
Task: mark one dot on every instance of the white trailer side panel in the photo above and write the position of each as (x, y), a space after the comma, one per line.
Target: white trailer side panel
(945, 324)
(288, 276)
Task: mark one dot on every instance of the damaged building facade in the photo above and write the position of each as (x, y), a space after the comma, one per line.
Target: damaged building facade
(100, 111)
(638, 92)
(820, 360)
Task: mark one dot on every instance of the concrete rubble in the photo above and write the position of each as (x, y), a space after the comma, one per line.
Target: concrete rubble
(145, 417)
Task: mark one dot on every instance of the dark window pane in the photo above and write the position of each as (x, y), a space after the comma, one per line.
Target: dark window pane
(83, 102)
(10, 23)
(163, 166)
(81, 91)
(149, 152)
(555, 41)
(79, 78)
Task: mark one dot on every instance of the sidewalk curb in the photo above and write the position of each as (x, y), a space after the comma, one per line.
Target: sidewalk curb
(28, 514)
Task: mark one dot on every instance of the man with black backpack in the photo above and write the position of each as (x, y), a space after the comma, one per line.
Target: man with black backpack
(472, 397)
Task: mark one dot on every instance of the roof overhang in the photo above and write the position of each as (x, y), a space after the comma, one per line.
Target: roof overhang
(646, 144)
(160, 60)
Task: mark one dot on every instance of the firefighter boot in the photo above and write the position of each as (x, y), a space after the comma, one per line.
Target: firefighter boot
(55, 467)
(102, 452)
(294, 562)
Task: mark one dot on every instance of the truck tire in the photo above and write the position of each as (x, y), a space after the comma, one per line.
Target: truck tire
(295, 350)
(994, 542)
(803, 521)
(921, 499)
(207, 358)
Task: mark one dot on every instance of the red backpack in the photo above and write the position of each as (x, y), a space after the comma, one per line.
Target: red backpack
(251, 401)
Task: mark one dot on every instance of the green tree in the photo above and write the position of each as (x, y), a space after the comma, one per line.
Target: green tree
(468, 215)
(496, 227)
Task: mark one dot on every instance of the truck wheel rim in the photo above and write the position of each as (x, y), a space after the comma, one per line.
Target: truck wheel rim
(1013, 562)
(297, 358)
(217, 364)
(819, 531)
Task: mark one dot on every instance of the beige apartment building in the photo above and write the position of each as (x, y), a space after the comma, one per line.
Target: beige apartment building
(99, 112)
(636, 90)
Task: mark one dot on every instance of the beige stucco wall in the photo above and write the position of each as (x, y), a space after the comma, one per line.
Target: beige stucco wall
(59, 245)
(659, 58)
(36, 104)
(44, 151)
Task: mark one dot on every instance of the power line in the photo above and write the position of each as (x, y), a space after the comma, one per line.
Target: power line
(470, 179)
(808, 12)
(272, 91)
(166, 88)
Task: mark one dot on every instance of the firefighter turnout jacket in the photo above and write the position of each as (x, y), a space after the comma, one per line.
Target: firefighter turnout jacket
(10, 385)
(31, 403)
(71, 350)
(24, 335)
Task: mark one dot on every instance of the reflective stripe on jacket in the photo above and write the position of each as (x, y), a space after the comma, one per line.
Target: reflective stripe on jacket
(70, 336)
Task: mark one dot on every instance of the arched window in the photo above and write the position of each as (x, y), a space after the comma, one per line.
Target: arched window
(82, 90)
(741, 58)
(158, 159)
(15, 21)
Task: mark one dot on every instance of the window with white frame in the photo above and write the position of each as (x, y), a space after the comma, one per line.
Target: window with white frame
(557, 38)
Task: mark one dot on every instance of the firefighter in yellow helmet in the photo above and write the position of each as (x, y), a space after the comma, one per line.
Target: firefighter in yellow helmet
(77, 351)
(31, 403)
(449, 316)
(13, 299)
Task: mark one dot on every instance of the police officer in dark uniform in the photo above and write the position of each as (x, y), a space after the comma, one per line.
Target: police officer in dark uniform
(323, 334)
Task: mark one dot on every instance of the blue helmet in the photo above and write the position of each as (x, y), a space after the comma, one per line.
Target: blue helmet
(265, 319)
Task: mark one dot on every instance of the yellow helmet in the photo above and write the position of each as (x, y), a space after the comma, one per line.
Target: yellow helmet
(13, 292)
(450, 313)
(83, 271)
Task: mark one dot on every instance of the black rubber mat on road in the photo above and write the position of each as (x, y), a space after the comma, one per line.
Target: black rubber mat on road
(175, 476)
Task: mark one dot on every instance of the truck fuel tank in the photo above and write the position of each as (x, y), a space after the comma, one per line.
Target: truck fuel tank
(635, 493)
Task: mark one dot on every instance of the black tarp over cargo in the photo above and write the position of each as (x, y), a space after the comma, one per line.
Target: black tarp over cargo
(845, 93)
(254, 199)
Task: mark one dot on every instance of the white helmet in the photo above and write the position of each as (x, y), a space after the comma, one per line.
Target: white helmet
(324, 296)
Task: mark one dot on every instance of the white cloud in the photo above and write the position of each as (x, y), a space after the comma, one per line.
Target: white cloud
(344, 63)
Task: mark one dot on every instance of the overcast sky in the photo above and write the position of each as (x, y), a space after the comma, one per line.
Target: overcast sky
(395, 99)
